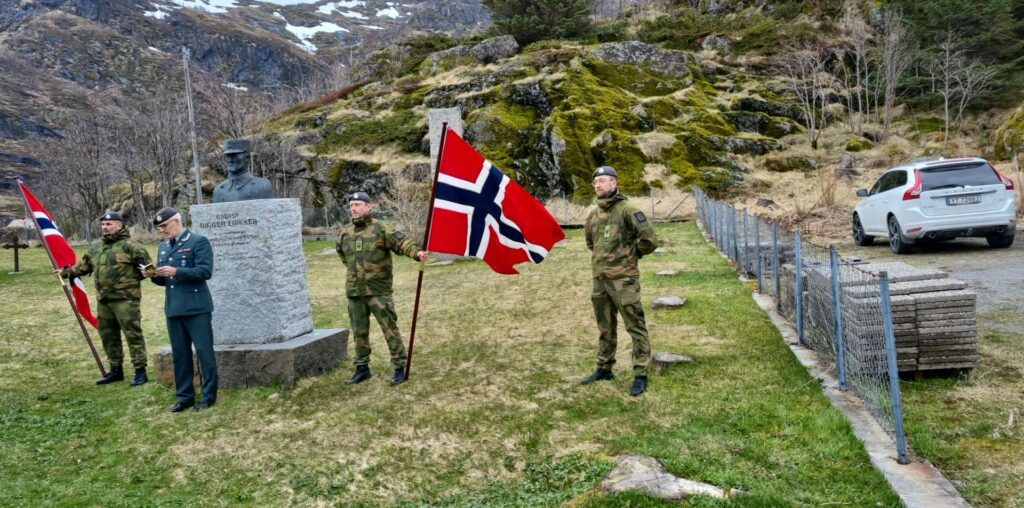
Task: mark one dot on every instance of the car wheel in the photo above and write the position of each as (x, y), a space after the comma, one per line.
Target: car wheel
(859, 237)
(999, 241)
(896, 242)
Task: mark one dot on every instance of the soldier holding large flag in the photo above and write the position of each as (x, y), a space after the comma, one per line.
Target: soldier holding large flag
(118, 264)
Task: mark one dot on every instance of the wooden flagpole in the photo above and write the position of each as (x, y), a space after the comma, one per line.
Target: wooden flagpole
(63, 284)
(426, 240)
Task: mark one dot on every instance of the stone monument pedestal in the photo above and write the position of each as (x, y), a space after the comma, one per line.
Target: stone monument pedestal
(262, 321)
(284, 363)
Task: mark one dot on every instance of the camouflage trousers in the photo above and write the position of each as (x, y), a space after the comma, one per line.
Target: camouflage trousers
(114, 317)
(620, 296)
(383, 308)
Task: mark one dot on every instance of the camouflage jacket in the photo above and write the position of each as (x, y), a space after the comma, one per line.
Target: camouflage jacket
(365, 246)
(113, 261)
(619, 234)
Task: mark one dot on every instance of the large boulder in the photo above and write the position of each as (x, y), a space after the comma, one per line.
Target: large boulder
(488, 51)
(647, 56)
(1010, 136)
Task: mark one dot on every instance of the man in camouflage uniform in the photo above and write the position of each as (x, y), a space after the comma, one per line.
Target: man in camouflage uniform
(365, 246)
(619, 234)
(117, 263)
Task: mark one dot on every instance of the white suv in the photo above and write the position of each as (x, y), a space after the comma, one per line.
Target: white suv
(937, 200)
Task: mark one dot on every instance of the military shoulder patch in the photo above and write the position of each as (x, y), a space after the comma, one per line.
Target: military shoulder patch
(640, 217)
(399, 235)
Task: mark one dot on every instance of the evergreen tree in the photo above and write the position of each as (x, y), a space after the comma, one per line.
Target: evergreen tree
(533, 20)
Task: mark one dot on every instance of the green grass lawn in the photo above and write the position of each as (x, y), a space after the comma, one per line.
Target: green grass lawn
(493, 414)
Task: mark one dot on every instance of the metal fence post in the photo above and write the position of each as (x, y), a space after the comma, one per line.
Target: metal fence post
(757, 253)
(799, 290)
(747, 246)
(894, 375)
(775, 262)
(833, 258)
(735, 236)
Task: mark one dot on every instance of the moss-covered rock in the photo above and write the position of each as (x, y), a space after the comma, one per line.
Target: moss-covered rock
(1009, 139)
(857, 144)
(785, 164)
(402, 128)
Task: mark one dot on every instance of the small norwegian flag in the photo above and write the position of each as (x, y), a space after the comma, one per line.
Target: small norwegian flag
(61, 252)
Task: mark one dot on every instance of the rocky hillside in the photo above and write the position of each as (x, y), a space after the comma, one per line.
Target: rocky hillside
(60, 55)
(549, 113)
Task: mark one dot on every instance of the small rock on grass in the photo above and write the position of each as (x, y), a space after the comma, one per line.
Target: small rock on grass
(668, 302)
(649, 476)
(667, 273)
(662, 359)
(661, 250)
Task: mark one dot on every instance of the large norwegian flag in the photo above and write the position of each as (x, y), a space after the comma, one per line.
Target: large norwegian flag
(61, 252)
(478, 211)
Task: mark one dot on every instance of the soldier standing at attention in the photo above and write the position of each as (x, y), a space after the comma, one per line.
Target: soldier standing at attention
(365, 246)
(619, 234)
(184, 264)
(117, 263)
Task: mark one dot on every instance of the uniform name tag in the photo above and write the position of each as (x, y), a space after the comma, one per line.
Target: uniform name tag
(640, 217)
(607, 230)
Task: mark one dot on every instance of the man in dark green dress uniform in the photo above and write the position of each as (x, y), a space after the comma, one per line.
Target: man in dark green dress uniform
(619, 234)
(365, 246)
(184, 264)
(118, 265)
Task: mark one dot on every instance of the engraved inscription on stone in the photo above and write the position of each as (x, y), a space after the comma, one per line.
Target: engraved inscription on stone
(259, 285)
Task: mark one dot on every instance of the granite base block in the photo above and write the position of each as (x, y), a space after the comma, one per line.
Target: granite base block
(284, 363)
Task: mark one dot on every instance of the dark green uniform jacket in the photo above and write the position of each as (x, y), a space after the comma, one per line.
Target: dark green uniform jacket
(365, 246)
(187, 293)
(619, 234)
(114, 263)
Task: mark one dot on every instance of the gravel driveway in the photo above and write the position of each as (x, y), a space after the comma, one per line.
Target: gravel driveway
(997, 275)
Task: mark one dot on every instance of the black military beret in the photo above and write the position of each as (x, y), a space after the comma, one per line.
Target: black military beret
(360, 196)
(606, 171)
(111, 215)
(164, 214)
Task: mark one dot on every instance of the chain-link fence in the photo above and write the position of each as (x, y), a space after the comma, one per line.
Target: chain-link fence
(838, 309)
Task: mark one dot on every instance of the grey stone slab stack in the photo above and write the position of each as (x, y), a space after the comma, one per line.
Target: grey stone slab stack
(262, 320)
(933, 318)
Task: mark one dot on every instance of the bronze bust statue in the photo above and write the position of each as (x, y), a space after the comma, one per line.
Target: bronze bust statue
(241, 184)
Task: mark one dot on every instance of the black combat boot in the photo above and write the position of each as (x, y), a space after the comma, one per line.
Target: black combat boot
(115, 374)
(639, 386)
(598, 375)
(362, 374)
(398, 378)
(140, 377)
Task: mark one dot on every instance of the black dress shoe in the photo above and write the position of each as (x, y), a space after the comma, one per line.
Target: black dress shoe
(115, 374)
(140, 377)
(181, 406)
(204, 405)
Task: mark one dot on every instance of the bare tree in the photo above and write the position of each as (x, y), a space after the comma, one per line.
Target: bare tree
(78, 167)
(408, 198)
(857, 72)
(162, 136)
(958, 80)
(896, 57)
(808, 79)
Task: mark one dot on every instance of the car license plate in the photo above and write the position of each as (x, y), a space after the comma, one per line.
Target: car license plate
(963, 200)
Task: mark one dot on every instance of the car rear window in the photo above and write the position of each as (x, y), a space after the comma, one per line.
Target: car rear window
(947, 177)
